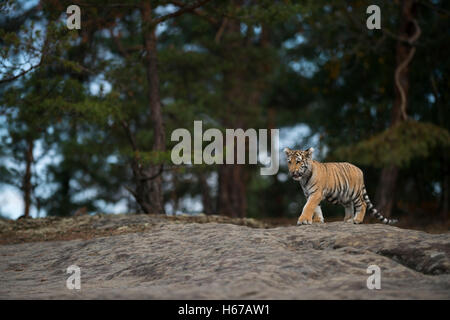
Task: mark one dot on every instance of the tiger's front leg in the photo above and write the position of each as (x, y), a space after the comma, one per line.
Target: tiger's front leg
(318, 217)
(308, 209)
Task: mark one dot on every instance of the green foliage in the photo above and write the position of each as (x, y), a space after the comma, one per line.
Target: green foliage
(235, 64)
(397, 145)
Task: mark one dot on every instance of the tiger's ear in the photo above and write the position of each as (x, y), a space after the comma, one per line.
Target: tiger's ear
(286, 150)
(309, 152)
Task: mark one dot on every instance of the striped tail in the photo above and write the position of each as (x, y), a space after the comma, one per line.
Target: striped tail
(374, 212)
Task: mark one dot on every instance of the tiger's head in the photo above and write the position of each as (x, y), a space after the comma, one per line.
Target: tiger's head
(299, 162)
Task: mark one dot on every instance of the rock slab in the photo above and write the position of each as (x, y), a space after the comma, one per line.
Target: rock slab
(225, 261)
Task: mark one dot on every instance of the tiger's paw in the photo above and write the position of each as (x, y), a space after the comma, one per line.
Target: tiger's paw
(318, 220)
(303, 220)
(357, 221)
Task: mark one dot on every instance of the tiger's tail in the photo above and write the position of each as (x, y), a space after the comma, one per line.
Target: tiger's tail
(374, 212)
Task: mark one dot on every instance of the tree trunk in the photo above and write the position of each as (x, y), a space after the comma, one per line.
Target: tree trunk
(206, 197)
(386, 190)
(173, 194)
(232, 197)
(151, 189)
(241, 89)
(445, 199)
(26, 184)
(408, 33)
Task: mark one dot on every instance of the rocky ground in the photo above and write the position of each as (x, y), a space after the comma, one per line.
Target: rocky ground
(210, 257)
(89, 226)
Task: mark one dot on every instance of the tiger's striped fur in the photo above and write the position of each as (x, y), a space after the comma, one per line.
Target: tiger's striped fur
(337, 182)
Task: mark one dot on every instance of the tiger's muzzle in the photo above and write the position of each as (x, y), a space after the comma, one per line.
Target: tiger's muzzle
(295, 175)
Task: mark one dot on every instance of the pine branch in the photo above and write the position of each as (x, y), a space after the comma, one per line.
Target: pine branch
(196, 12)
(24, 72)
(184, 9)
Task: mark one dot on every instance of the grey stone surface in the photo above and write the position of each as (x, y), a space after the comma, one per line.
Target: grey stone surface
(224, 261)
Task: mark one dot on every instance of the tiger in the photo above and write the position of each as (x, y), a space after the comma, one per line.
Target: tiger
(336, 182)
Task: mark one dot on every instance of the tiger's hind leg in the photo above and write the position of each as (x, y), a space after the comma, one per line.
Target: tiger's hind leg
(349, 210)
(360, 210)
(317, 216)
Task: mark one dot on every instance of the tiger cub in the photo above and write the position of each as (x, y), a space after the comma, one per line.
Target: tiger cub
(337, 182)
